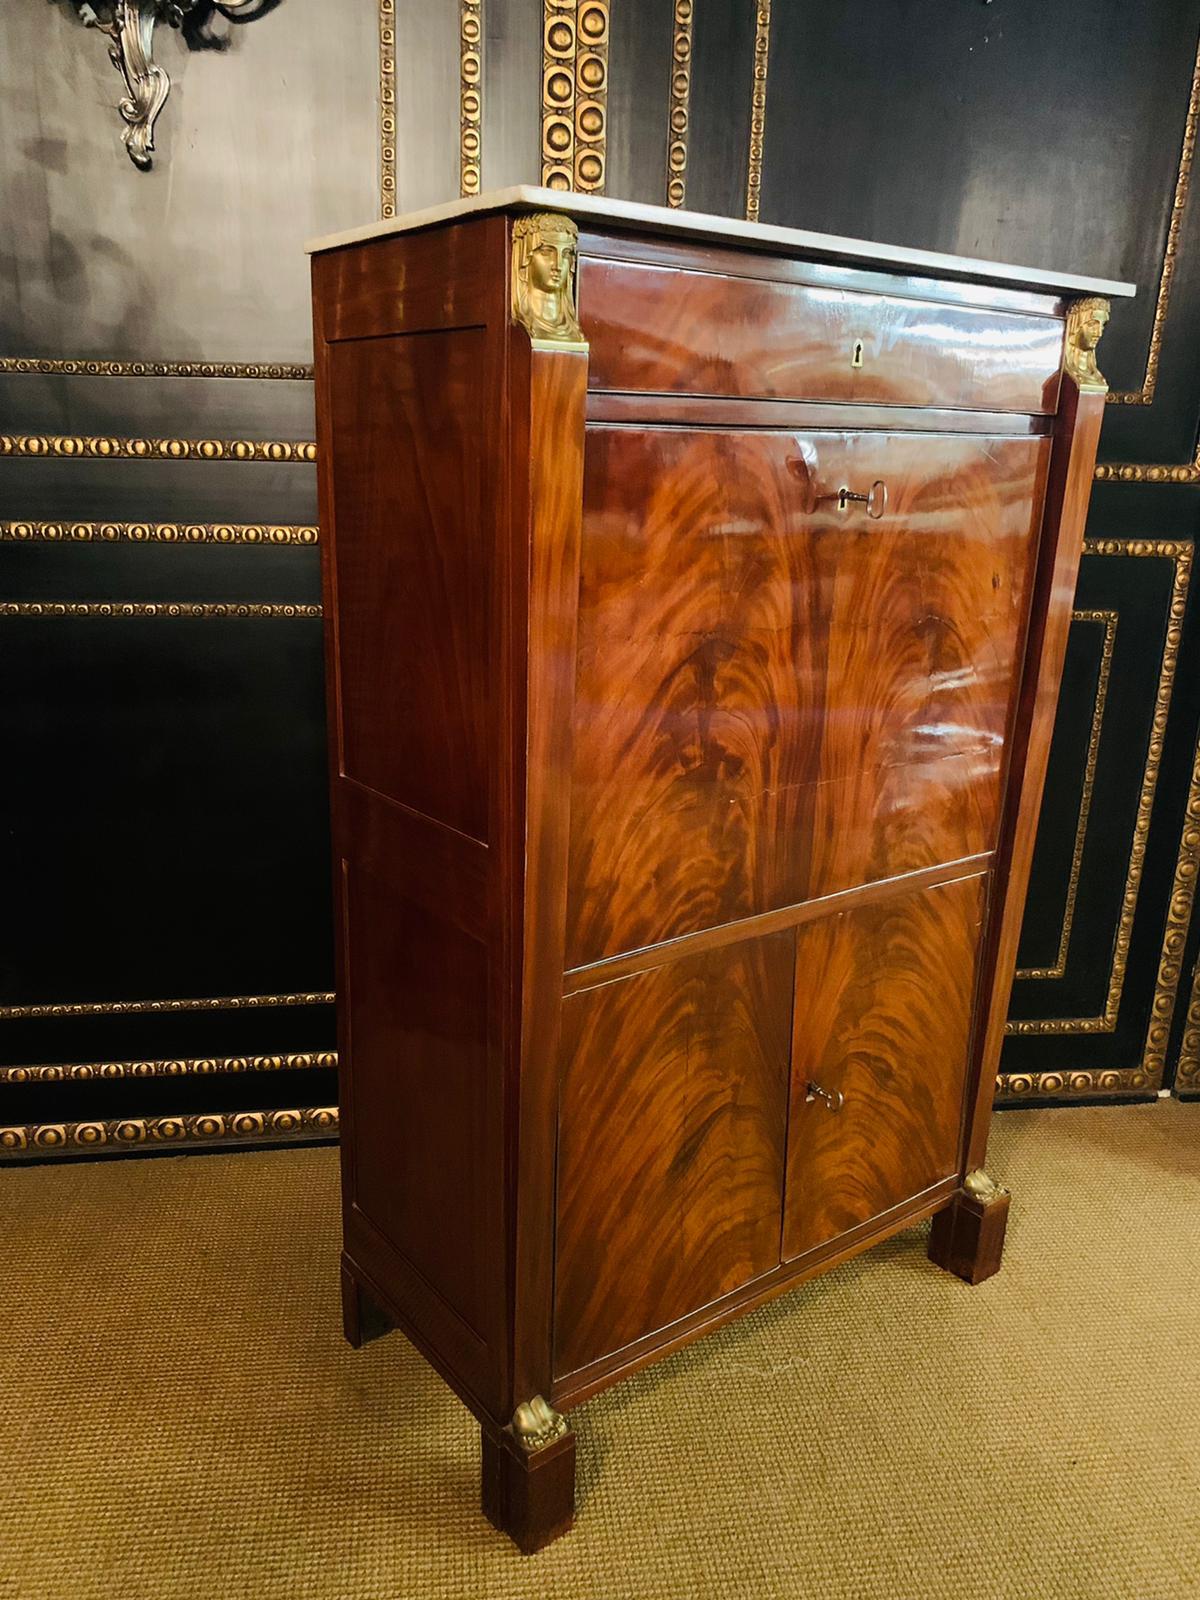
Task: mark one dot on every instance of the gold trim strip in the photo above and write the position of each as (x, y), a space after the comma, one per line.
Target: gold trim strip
(1175, 932)
(680, 111)
(591, 95)
(1111, 1082)
(387, 108)
(207, 1128)
(260, 533)
(185, 1067)
(470, 96)
(1187, 1075)
(559, 39)
(758, 109)
(89, 367)
(41, 444)
(1180, 553)
(1145, 395)
(125, 1008)
(1109, 621)
(1140, 472)
(155, 608)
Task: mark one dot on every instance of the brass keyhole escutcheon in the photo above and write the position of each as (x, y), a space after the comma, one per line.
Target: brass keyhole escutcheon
(856, 360)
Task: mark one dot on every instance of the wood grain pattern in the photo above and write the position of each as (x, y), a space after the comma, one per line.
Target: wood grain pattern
(618, 691)
(413, 570)
(423, 667)
(882, 1017)
(549, 389)
(417, 1030)
(1068, 490)
(664, 331)
(671, 1141)
(802, 701)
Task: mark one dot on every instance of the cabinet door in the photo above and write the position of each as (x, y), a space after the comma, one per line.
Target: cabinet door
(672, 1118)
(882, 1020)
(778, 699)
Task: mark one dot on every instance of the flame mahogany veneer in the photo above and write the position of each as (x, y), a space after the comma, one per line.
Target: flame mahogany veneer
(683, 803)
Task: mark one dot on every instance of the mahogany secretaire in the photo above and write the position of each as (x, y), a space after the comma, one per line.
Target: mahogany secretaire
(696, 596)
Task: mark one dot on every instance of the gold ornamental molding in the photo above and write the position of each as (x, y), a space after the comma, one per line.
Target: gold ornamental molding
(103, 447)
(183, 1067)
(387, 108)
(680, 110)
(1108, 1083)
(1159, 472)
(1108, 620)
(130, 1008)
(1175, 932)
(1145, 395)
(591, 95)
(86, 367)
(1180, 553)
(1187, 1076)
(256, 533)
(558, 94)
(575, 94)
(153, 608)
(39, 1140)
(758, 108)
(470, 96)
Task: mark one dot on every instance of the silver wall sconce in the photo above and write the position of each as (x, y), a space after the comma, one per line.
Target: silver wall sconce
(130, 26)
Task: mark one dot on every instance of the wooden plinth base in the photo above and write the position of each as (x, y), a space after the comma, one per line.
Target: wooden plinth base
(528, 1494)
(362, 1319)
(968, 1236)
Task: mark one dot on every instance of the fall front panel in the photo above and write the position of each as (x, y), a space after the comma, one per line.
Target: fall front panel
(801, 699)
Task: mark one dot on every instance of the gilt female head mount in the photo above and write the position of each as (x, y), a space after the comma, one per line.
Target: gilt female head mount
(545, 247)
(1086, 322)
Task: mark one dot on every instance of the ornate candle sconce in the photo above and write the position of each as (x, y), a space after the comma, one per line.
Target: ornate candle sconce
(130, 25)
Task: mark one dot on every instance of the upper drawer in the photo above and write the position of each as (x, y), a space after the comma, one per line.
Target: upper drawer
(672, 331)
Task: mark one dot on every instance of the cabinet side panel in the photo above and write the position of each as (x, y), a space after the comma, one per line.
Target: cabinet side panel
(417, 1032)
(671, 1134)
(420, 657)
(412, 570)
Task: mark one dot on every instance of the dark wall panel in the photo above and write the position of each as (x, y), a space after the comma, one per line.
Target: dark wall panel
(719, 140)
(165, 820)
(261, 145)
(639, 101)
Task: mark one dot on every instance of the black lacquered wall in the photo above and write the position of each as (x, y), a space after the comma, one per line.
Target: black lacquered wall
(166, 977)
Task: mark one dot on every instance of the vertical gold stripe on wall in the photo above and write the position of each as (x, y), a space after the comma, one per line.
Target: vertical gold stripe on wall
(470, 97)
(558, 94)
(1170, 961)
(387, 108)
(681, 90)
(758, 108)
(591, 94)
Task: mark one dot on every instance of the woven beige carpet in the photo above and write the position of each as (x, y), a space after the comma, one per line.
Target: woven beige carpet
(181, 1416)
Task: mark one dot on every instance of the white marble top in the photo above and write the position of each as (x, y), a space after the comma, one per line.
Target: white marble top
(698, 225)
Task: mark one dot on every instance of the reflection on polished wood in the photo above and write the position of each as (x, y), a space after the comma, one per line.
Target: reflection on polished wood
(882, 1015)
(690, 697)
(672, 1118)
(789, 341)
(803, 700)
